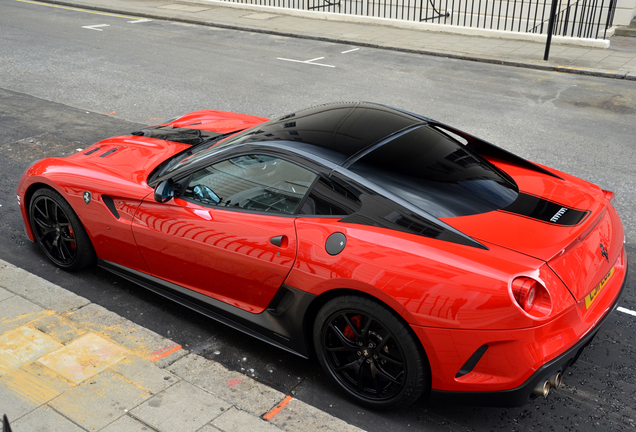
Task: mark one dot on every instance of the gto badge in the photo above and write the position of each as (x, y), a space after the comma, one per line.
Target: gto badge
(604, 252)
(87, 197)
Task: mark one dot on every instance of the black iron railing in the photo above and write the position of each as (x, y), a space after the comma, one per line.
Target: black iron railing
(574, 18)
(581, 18)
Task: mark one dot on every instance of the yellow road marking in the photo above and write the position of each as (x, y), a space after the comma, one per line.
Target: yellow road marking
(82, 10)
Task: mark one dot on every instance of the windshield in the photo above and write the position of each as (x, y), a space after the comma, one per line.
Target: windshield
(185, 157)
(437, 174)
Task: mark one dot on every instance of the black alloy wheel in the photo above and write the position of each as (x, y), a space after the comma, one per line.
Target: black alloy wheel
(370, 352)
(59, 232)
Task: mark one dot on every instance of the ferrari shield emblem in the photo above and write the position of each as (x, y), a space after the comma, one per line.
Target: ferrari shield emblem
(604, 252)
(87, 197)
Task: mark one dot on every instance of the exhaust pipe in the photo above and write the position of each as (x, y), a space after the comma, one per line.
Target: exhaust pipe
(556, 380)
(542, 389)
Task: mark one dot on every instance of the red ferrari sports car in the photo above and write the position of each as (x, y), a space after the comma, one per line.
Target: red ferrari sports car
(408, 256)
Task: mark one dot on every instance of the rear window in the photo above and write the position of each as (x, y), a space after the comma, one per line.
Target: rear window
(436, 174)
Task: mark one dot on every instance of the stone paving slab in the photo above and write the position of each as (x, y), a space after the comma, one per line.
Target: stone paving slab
(59, 328)
(235, 420)
(299, 416)
(38, 290)
(45, 419)
(127, 424)
(83, 358)
(23, 345)
(139, 340)
(15, 311)
(99, 401)
(88, 369)
(240, 390)
(183, 407)
(146, 374)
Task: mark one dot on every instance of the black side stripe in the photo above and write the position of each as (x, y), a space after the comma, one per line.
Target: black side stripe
(540, 209)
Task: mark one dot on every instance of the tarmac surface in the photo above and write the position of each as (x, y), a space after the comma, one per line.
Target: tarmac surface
(618, 61)
(69, 364)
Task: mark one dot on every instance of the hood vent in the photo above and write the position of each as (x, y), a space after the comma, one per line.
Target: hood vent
(108, 153)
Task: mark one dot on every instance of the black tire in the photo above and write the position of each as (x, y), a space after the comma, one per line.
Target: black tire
(59, 232)
(369, 352)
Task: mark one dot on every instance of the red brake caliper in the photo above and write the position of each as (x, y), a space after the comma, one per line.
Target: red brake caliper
(72, 235)
(348, 331)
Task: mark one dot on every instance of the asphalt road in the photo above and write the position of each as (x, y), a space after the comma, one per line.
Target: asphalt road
(64, 86)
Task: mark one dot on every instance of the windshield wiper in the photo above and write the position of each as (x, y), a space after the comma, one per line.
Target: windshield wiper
(188, 136)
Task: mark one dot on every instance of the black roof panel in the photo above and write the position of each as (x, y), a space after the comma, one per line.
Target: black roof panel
(334, 131)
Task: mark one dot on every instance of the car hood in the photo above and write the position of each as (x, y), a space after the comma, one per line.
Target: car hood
(129, 154)
(139, 153)
(562, 221)
(217, 121)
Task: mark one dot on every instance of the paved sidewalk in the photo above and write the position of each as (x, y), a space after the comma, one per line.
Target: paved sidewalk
(69, 365)
(617, 61)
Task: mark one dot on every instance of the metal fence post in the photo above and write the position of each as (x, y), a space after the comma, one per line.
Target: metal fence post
(550, 29)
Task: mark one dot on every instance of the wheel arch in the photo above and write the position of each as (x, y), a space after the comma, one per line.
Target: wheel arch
(317, 304)
(83, 244)
(314, 313)
(28, 196)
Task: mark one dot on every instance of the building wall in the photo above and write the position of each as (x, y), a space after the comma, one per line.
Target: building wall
(625, 12)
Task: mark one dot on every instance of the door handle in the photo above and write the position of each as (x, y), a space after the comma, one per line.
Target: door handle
(280, 241)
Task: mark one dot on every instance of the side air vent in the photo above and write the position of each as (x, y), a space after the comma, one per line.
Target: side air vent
(111, 205)
(281, 301)
(472, 361)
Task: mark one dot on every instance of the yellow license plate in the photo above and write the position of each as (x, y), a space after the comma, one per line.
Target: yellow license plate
(589, 299)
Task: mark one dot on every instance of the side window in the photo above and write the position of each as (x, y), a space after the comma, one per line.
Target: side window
(330, 198)
(251, 182)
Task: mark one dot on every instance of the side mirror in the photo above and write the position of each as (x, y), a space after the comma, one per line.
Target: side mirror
(164, 191)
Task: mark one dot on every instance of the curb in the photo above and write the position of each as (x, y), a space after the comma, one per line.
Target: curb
(491, 60)
(73, 365)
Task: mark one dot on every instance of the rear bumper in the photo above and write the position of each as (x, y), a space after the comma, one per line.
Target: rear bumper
(510, 368)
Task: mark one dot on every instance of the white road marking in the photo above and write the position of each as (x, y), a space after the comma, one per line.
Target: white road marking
(94, 27)
(311, 62)
(627, 311)
(77, 10)
(355, 49)
(139, 20)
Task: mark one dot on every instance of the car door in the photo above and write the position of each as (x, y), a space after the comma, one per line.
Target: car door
(230, 234)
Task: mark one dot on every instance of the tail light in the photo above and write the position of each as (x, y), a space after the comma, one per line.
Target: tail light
(532, 296)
